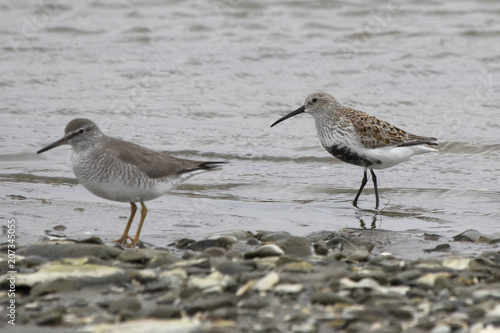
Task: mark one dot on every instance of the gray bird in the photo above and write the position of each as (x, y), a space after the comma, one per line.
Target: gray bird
(123, 171)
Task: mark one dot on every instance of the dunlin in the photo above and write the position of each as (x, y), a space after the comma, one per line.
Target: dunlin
(123, 171)
(360, 139)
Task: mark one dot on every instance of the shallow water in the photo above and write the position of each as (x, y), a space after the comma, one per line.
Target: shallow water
(206, 80)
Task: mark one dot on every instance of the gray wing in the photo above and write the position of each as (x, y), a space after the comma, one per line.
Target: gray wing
(155, 164)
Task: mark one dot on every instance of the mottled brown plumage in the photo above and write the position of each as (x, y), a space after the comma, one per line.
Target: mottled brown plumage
(376, 133)
(360, 139)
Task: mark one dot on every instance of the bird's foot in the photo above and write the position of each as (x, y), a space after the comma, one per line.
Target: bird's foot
(122, 240)
(133, 244)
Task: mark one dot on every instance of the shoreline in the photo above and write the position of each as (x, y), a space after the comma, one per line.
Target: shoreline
(351, 280)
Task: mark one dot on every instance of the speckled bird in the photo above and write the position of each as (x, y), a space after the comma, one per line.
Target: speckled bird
(118, 170)
(358, 138)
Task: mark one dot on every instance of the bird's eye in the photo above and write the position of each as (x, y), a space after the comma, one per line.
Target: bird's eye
(314, 100)
(81, 131)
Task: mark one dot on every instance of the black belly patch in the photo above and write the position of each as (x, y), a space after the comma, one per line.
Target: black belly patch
(347, 155)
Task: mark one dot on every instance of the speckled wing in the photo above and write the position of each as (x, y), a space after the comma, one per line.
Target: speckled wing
(155, 164)
(376, 133)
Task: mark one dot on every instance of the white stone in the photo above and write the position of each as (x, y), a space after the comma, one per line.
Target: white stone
(145, 326)
(267, 282)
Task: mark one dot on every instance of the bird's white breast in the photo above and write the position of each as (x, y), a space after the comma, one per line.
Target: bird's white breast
(380, 158)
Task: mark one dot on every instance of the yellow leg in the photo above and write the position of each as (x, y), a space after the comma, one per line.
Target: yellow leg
(144, 211)
(123, 238)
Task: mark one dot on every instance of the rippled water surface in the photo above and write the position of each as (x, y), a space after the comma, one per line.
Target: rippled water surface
(206, 79)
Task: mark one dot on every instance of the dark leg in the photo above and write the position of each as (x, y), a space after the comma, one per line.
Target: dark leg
(374, 179)
(363, 183)
(123, 238)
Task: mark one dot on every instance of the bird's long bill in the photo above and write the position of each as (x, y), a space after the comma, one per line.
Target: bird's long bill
(291, 114)
(59, 142)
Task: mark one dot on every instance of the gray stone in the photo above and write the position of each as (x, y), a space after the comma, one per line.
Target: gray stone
(91, 240)
(431, 237)
(439, 248)
(275, 236)
(295, 246)
(203, 263)
(224, 242)
(406, 276)
(164, 312)
(34, 260)
(363, 242)
(58, 251)
(143, 256)
(467, 236)
(223, 313)
(54, 286)
(155, 286)
(167, 299)
(162, 259)
(215, 252)
(320, 248)
(324, 235)
(256, 302)
(128, 303)
(373, 272)
(59, 227)
(358, 255)
(236, 267)
(182, 243)
(269, 250)
(210, 303)
(236, 234)
(330, 298)
(51, 317)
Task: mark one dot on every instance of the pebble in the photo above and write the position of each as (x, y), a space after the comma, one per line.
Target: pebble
(210, 303)
(146, 325)
(69, 250)
(73, 269)
(54, 286)
(235, 234)
(164, 312)
(326, 298)
(143, 256)
(300, 266)
(235, 268)
(272, 236)
(268, 250)
(267, 282)
(288, 288)
(129, 303)
(320, 248)
(173, 278)
(272, 281)
(222, 242)
(295, 246)
(215, 282)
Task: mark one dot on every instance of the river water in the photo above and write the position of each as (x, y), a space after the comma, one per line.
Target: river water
(206, 79)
